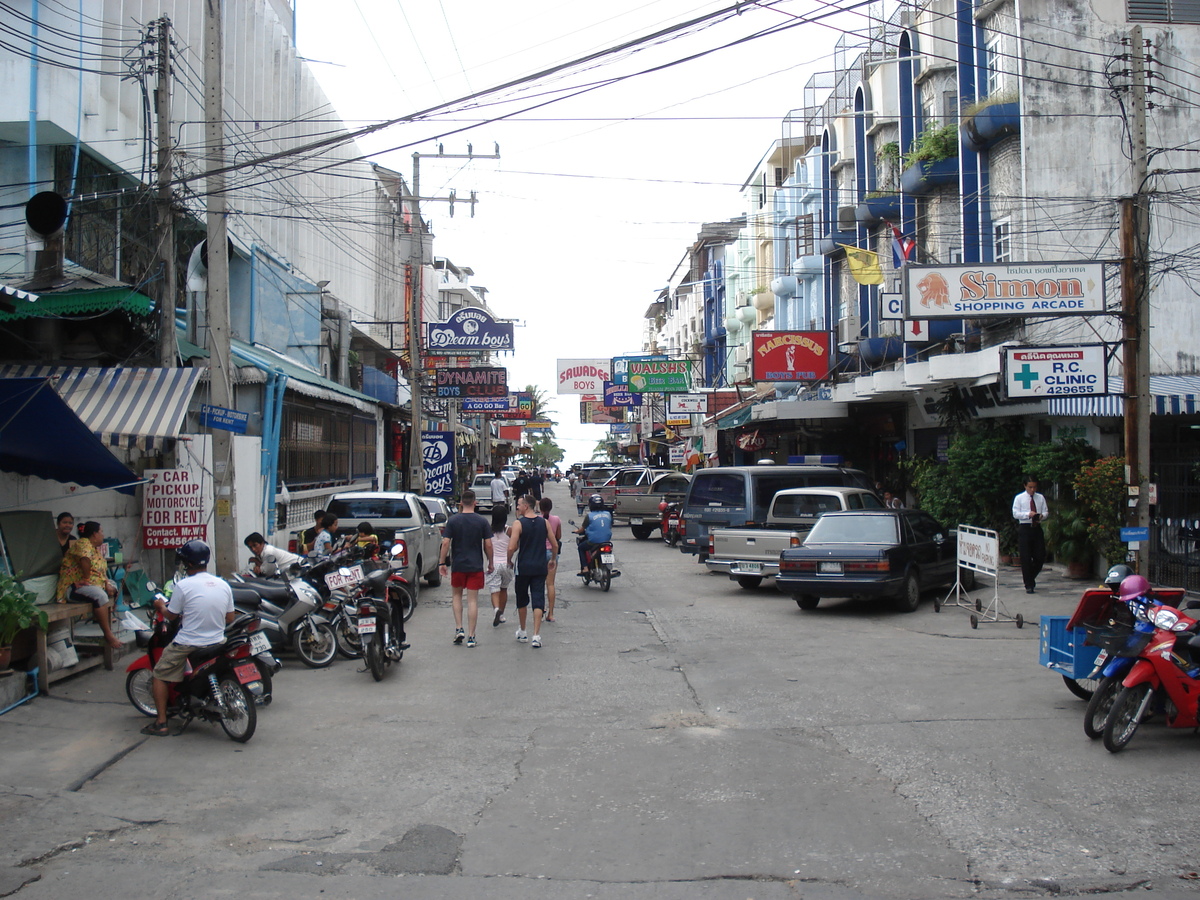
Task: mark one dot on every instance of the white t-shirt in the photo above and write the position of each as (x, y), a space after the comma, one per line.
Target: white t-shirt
(202, 601)
(499, 490)
(275, 560)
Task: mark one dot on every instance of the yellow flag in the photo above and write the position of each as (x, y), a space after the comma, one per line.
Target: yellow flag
(864, 265)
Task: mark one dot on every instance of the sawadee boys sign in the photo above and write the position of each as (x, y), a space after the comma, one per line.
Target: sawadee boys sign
(979, 290)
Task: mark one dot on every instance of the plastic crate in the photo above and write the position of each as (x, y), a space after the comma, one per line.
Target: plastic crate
(1064, 651)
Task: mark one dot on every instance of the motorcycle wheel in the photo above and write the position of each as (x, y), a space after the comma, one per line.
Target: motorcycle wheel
(373, 652)
(1100, 707)
(240, 717)
(1083, 688)
(349, 644)
(316, 644)
(264, 674)
(1125, 717)
(604, 577)
(403, 596)
(138, 690)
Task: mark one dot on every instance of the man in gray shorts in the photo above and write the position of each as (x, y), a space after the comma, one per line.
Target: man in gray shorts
(205, 605)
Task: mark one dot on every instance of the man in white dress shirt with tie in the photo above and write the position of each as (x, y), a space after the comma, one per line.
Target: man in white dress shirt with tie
(1030, 510)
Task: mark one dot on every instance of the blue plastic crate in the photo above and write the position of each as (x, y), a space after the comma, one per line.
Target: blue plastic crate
(1064, 651)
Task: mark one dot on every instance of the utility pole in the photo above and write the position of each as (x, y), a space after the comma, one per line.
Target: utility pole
(168, 345)
(219, 362)
(416, 269)
(1135, 304)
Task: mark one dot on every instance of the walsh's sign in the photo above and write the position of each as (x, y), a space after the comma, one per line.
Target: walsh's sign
(469, 330)
(790, 355)
(978, 290)
(620, 366)
(662, 376)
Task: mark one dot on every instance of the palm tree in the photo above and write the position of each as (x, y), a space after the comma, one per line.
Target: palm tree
(541, 411)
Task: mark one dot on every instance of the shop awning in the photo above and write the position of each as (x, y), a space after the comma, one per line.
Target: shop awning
(41, 435)
(61, 303)
(1171, 395)
(123, 407)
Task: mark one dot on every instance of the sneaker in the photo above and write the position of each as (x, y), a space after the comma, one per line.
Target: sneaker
(522, 637)
(459, 634)
(536, 641)
(497, 618)
(471, 640)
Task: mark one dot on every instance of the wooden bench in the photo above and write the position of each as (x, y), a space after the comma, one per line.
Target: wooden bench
(57, 612)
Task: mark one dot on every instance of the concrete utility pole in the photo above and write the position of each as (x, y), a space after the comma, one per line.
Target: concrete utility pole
(1135, 303)
(168, 345)
(219, 362)
(416, 269)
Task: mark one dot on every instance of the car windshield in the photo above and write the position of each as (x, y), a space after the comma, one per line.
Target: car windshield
(795, 506)
(853, 530)
(371, 508)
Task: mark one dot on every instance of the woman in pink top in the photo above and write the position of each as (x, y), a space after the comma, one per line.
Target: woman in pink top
(502, 575)
(554, 526)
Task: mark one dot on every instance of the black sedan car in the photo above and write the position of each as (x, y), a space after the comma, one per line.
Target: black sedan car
(890, 553)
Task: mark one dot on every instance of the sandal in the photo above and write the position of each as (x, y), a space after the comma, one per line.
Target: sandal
(157, 729)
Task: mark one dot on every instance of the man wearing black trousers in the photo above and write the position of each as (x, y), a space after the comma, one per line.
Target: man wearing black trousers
(1030, 510)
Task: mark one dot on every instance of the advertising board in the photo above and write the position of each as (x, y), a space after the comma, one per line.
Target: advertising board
(977, 290)
(175, 508)
(790, 355)
(469, 330)
(437, 451)
(477, 381)
(583, 376)
(620, 365)
(662, 376)
(1056, 371)
(687, 404)
(620, 395)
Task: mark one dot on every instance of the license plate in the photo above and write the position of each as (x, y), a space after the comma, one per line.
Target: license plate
(246, 673)
(607, 558)
(344, 577)
(672, 523)
(366, 625)
(829, 568)
(635, 521)
(259, 643)
(754, 568)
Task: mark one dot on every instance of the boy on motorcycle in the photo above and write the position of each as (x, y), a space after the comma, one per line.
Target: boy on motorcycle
(595, 530)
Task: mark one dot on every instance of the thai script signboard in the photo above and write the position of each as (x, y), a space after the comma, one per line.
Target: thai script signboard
(790, 355)
(469, 330)
(583, 376)
(437, 451)
(478, 381)
(977, 290)
(1055, 371)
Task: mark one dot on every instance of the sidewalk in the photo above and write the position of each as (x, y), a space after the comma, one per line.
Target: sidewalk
(1056, 595)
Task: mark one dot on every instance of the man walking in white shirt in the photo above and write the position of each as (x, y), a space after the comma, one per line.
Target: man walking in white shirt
(1030, 510)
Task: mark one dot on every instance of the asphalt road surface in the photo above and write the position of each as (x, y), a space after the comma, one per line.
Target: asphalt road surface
(677, 737)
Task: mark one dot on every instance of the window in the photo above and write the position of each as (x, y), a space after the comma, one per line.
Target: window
(955, 256)
(995, 65)
(949, 106)
(718, 490)
(1178, 11)
(804, 236)
(321, 446)
(1001, 242)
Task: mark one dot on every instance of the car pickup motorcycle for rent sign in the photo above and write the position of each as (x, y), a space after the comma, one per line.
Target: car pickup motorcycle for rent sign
(176, 508)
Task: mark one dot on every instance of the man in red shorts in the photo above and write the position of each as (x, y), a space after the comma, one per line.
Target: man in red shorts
(467, 542)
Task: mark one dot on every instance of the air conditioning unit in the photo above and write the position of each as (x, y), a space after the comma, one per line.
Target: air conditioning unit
(741, 357)
(848, 330)
(847, 219)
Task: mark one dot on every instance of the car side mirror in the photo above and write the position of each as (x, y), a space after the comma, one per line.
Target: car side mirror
(939, 538)
(439, 518)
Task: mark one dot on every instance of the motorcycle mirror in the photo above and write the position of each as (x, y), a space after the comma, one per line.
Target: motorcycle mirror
(396, 550)
(151, 586)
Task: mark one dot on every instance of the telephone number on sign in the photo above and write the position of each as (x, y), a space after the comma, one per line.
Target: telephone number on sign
(1071, 389)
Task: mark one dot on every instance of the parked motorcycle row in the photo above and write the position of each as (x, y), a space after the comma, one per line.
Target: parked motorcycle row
(351, 604)
(1148, 666)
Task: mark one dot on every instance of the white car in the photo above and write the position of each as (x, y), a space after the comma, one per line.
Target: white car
(396, 515)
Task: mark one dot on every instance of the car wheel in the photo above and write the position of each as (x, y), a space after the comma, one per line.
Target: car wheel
(910, 597)
(642, 532)
(966, 577)
(806, 601)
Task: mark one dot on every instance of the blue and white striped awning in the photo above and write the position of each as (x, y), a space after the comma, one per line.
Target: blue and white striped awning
(1172, 395)
(129, 408)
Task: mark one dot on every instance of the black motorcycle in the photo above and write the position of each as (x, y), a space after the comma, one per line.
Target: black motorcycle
(381, 603)
(290, 616)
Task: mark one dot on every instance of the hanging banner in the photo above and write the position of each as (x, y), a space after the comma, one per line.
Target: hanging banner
(469, 330)
(620, 395)
(976, 290)
(480, 381)
(1055, 371)
(510, 433)
(437, 449)
(790, 355)
(661, 376)
(175, 508)
(583, 376)
(620, 365)
(687, 404)
(598, 414)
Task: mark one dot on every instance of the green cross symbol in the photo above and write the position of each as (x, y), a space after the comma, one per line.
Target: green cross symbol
(1026, 376)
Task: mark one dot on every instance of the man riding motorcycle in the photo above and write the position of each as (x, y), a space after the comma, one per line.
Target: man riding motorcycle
(595, 530)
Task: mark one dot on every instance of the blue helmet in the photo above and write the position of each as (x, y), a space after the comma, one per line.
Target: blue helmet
(595, 502)
(194, 554)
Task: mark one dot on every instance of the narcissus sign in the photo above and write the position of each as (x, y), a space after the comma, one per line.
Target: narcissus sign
(790, 355)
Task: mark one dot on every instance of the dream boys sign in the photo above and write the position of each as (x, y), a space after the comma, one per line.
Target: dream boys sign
(437, 453)
(469, 330)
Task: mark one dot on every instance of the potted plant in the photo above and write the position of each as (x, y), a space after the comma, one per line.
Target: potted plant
(1067, 538)
(932, 160)
(987, 121)
(18, 611)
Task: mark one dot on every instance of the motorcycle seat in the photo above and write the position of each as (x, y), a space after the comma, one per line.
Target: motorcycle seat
(272, 591)
(196, 657)
(246, 598)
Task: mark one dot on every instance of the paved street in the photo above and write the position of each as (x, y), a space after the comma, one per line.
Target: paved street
(677, 737)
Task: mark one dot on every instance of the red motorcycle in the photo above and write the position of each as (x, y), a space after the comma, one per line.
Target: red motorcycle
(668, 525)
(218, 684)
(1167, 668)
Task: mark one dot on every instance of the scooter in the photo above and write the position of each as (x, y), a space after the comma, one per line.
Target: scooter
(289, 618)
(380, 618)
(219, 683)
(1168, 667)
(601, 565)
(668, 525)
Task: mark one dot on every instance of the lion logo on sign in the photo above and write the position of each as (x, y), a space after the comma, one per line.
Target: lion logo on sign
(934, 290)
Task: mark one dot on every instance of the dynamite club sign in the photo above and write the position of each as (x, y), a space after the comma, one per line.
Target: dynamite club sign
(790, 355)
(476, 382)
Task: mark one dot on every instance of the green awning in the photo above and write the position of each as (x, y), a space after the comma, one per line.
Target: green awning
(65, 303)
(733, 420)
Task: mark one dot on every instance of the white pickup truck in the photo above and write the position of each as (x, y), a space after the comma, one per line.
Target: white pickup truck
(750, 554)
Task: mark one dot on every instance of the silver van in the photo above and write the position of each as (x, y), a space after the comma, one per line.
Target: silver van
(737, 496)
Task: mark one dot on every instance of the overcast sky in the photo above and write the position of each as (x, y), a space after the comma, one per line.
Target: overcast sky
(596, 196)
